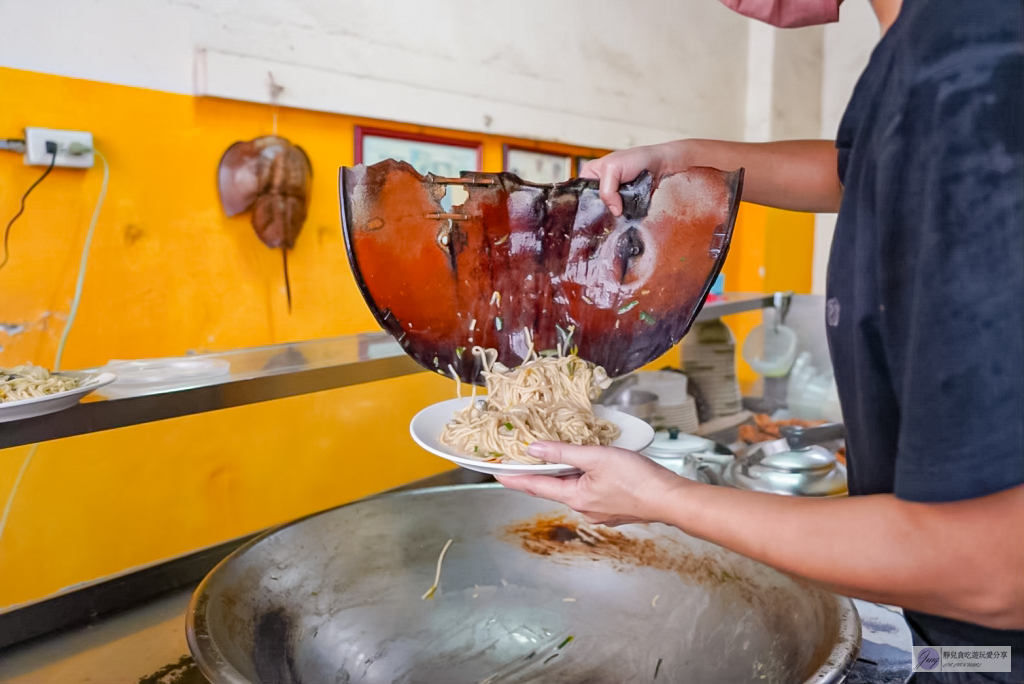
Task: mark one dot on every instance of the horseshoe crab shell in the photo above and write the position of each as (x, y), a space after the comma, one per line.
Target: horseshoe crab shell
(550, 259)
(271, 176)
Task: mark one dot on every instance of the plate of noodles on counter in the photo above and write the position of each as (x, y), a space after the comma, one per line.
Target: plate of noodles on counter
(547, 398)
(27, 391)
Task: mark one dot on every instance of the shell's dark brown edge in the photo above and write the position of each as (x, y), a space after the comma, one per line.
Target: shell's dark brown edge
(736, 178)
(344, 174)
(345, 178)
(735, 193)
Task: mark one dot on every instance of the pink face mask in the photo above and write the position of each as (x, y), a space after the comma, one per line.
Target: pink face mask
(787, 13)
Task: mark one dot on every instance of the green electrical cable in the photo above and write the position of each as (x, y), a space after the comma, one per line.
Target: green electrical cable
(76, 300)
(83, 262)
(21, 210)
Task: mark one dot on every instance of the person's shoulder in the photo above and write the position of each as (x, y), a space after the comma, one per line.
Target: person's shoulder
(970, 49)
(938, 36)
(962, 65)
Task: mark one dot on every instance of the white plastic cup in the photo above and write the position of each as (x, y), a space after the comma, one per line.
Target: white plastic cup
(770, 350)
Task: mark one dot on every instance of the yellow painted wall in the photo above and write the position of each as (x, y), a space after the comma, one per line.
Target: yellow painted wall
(170, 274)
(772, 251)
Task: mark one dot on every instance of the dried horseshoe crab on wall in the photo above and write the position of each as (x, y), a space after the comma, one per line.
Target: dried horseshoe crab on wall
(548, 258)
(272, 176)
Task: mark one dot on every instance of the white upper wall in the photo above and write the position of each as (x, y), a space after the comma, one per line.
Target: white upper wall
(848, 47)
(603, 73)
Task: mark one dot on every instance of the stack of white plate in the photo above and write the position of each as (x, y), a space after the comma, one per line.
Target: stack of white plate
(682, 417)
(709, 359)
(676, 409)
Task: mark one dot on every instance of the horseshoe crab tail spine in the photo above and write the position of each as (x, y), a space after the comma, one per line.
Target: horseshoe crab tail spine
(287, 284)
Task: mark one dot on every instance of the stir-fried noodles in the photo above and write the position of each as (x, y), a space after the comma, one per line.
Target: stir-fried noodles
(547, 398)
(29, 382)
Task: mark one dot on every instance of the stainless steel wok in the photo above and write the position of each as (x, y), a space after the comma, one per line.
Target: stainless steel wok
(528, 592)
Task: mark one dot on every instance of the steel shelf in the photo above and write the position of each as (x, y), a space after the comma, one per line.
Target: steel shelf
(267, 373)
(734, 303)
(257, 374)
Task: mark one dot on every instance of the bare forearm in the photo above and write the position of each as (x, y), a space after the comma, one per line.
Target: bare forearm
(947, 559)
(799, 175)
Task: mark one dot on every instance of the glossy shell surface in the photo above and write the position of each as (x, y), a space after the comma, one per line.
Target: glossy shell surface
(550, 259)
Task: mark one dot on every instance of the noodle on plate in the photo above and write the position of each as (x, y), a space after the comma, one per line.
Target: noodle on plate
(30, 382)
(547, 398)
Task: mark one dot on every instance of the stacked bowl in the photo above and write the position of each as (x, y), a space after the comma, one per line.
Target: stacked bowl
(709, 360)
(675, 408)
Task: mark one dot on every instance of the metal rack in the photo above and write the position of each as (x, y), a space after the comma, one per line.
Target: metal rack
(267, 373)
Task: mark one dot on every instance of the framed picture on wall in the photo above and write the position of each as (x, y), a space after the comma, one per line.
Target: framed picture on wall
(427, 153)
(446, 157)
(538, 167)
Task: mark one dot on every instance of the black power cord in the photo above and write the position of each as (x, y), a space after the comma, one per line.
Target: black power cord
(51, 147)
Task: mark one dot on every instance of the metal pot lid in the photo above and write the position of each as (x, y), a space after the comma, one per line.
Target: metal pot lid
(667, 444)
(808, 472)
(803, 460)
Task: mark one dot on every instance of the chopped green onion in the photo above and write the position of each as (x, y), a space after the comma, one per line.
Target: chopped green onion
(682, 258)
(562, 336)
(647, 318)
(501, 240)
(567, 640)
(548, 352)
(628, 307)
(508, 426)
(459, 350)
(497, 323)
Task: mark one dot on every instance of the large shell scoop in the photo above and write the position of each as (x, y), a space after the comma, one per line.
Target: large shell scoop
(550, 259)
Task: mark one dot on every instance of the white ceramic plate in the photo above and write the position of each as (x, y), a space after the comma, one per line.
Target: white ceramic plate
(51, 403)
(427, 425)
(150, 376)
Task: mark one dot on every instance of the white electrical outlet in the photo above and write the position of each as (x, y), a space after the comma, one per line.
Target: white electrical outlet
(36, 154)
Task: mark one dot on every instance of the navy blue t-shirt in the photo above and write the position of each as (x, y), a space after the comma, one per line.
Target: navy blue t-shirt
(925, 308)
